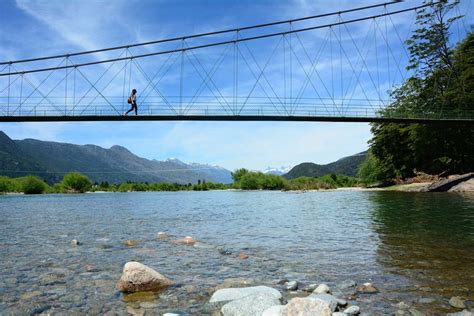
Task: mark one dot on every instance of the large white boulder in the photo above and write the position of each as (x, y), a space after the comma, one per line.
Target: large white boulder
(226, 295)
(251, 305)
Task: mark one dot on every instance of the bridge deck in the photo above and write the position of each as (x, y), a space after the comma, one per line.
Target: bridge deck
(276, 118)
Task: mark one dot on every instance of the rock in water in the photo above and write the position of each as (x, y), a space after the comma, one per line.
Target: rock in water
(330, 300)
(367, 288)
(457, 302)
(353, 310)
(251, 305)
(226, 295)
(162, 236)
(306, 306)
(130, 243)
(138, 277)
(292, 285)
(188, 240)
(322, 288)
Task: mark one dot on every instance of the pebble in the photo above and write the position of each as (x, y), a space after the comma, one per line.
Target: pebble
(224, 252)
(75, 242)
(243, 256)
(457, 302)
(162, 236)
(130, 243)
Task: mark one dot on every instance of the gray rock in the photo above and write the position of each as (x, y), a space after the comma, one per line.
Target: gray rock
(310, 288)
(352, 310)
(292, 285)
(224, 251)
(403, 305)
(461, 313)
(137, 277)
(322, 288)
(251, 305)
(226, 295)
(276, 310)
(327, 298)
(307, 306)
(457, 302)
(338, 314)
(341, 302)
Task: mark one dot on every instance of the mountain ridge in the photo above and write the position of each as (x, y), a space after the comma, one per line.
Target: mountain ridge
(51, 160)
(347, 166)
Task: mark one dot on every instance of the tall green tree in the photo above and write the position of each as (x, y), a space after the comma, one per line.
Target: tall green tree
(442, 84)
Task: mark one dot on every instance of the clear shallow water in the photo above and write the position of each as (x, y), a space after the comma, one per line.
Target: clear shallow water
(410, 245)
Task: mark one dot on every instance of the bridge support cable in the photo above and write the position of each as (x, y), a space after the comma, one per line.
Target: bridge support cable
(279, 73)
(313, 17)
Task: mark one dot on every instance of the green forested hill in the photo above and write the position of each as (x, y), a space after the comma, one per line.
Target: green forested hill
(50, 160)
(345, 166)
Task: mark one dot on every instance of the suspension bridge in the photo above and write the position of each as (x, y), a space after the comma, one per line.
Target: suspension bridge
(338, 66)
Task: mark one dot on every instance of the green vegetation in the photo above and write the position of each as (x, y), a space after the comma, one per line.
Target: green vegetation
(443, 82)
(27, 185)
(249, 180)
(76, 182)
(244, 179)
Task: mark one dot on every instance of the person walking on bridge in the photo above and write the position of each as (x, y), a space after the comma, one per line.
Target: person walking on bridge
(132, 100)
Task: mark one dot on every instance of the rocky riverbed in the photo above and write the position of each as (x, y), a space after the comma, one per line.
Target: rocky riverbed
(280, 252)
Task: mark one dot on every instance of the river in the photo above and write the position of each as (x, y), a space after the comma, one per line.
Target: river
(414, 247)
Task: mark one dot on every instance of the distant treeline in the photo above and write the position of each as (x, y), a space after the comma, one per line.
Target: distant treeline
(244, 179)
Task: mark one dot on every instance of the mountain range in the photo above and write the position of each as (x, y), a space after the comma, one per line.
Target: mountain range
(51, 160)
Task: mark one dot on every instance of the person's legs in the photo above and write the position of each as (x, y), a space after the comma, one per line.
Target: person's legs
(131, 109)
(135, 107)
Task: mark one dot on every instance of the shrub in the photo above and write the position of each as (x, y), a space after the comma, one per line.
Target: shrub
(76, 182)
(32, 185)
(6, 185)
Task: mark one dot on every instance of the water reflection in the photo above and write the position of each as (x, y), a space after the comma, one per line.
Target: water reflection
(429, 239)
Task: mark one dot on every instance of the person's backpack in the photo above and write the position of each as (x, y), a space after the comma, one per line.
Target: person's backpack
(129, 100)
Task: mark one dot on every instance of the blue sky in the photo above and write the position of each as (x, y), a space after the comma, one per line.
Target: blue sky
(37, 28)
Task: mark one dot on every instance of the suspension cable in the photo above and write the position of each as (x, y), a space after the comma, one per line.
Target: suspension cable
(243, 39)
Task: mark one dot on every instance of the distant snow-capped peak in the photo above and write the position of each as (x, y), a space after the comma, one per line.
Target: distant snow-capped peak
(277, 170)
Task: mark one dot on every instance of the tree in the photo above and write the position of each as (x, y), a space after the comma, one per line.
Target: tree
(33, 185)
(442, 83)
(76, 182)
(238, 174)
